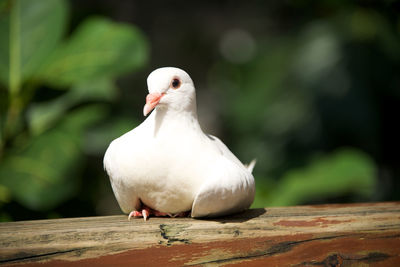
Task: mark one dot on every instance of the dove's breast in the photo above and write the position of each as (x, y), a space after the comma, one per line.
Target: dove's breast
(165, 176)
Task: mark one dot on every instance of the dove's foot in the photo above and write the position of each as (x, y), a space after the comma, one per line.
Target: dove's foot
(146, 212)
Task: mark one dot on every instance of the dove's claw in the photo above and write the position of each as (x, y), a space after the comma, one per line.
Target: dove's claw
(146, 212)
(134, 213)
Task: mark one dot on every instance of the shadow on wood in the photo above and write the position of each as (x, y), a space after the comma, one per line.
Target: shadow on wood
(237, 218)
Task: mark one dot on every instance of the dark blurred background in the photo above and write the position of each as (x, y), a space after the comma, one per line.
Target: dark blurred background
(309, 88)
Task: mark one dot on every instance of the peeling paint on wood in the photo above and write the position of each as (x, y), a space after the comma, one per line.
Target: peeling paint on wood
(324, 235)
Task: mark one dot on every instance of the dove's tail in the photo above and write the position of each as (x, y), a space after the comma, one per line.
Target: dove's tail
(251, 165)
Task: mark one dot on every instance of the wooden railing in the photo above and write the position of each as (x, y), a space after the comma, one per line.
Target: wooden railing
(321, 235)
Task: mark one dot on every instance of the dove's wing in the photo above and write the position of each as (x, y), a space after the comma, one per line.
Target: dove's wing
(229, 187)
(224, 150)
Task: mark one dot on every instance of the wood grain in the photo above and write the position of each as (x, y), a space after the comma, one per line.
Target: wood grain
(322, 235)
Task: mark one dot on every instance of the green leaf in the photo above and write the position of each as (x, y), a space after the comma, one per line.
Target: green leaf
(44, 173)
(42, 116)
(39, 27)
(347, 171)
(98, 49)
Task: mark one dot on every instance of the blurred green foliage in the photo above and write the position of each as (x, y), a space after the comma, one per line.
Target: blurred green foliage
(42, 144)
(302, 86)
(346, 171)
(271, 105)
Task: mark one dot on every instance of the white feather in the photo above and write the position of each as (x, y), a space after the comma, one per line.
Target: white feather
(169, 164)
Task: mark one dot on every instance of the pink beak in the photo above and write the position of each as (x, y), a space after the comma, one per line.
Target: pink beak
(151, 102)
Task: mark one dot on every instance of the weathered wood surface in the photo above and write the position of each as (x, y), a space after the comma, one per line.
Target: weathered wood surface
(322, 235)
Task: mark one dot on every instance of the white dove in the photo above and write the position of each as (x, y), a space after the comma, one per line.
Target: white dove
(168, 166)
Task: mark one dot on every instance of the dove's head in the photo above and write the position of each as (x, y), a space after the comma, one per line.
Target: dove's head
(170, 88)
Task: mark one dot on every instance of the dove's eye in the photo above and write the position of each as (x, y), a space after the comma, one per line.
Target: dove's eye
(175, 83)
